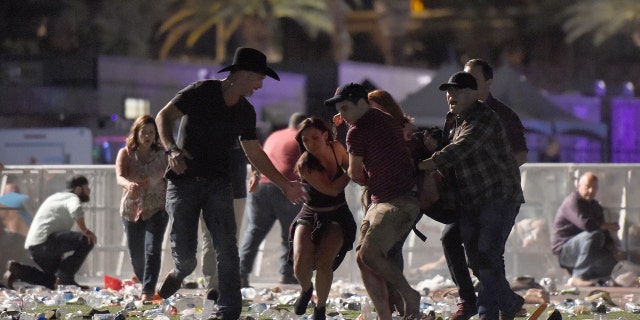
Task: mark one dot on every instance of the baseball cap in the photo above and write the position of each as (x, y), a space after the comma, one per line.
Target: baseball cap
(352, 91)
(76, 181)
(460, 80)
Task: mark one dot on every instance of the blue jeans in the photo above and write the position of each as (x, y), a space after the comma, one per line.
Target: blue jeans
(588, 255)
(484, 230)
(144, 241)
(186, 198)
(267, 205)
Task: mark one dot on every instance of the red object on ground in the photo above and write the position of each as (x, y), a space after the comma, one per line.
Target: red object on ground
(112, 283)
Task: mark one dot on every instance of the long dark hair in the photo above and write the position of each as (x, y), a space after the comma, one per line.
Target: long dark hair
(132, 139)
(307, 160)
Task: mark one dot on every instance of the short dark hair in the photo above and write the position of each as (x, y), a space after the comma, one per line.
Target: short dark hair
(296, 119)
(76, 181)
(487, 71)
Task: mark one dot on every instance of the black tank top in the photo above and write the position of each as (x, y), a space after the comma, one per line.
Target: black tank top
(318, 199)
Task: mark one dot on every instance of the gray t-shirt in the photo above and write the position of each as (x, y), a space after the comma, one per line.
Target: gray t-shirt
(57, 213)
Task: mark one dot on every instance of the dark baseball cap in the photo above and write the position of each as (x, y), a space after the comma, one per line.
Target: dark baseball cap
(460, 80)
(352, 91)
(76, 181)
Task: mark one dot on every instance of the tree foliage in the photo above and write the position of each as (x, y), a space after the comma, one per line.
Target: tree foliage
(603, 19)
(126, 27)
(194, 18)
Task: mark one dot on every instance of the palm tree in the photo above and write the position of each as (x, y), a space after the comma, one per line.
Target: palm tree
(393, 23)
(125, 26)
(253, 19)
(604, 19)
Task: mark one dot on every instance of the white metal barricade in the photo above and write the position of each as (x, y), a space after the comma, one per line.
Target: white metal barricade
(544, 185)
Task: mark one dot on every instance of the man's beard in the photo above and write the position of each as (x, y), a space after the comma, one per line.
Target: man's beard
(83, 197)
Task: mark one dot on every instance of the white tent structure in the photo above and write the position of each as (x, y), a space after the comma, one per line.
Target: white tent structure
(537, 110)
(428, 105)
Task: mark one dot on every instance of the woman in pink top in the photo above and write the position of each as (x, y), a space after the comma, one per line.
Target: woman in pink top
(140, 167)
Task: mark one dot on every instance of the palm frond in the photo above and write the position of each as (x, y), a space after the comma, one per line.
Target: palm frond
(209, 19)
(174, 19)
(201, 29)
(172, 38)
(196, 17)
(601, 18)
(312, 15)
(231, 27)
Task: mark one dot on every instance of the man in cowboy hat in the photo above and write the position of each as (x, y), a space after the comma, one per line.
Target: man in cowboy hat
(214, 113)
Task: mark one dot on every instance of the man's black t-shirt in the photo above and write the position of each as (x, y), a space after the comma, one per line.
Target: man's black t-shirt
(209, 128)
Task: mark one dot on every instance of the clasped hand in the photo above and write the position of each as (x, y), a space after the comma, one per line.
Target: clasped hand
(296, 192)
(177, 161)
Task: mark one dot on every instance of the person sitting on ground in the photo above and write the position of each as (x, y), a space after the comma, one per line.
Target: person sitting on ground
(50, 239)
(581, 237)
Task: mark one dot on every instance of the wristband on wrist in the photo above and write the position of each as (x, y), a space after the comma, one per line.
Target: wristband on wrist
(171, 149)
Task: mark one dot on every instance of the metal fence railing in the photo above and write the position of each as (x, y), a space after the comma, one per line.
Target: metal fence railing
(544, 185)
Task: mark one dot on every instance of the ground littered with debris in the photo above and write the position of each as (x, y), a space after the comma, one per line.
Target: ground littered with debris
(275, 301)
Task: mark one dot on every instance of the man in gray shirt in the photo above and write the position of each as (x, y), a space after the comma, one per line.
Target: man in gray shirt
(50, 238)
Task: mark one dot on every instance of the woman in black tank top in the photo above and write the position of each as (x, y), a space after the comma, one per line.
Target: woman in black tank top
(324, 230)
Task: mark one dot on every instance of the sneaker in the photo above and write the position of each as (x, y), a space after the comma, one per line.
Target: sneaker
(465, 311)
(12, 274)
(146, 299)
(170, 285)
(516, 311)
(319, 313)
(300, 307)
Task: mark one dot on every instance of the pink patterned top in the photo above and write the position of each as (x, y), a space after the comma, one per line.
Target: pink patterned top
(149, 175)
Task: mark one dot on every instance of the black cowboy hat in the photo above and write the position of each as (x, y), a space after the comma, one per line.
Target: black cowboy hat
(251, 60)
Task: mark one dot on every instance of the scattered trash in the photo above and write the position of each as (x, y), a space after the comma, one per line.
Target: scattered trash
(549, 285)
(112, 283)
(571, 290)
(632, 307)
(604, 296)
(439, 301)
